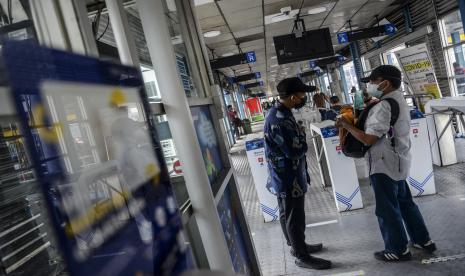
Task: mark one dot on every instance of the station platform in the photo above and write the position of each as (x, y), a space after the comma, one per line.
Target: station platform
(351, 238)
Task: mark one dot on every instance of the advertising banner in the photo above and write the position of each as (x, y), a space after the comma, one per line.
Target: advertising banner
(255, 109)
(418, 69)
(98, 163)
(229, 216)
(208, 141)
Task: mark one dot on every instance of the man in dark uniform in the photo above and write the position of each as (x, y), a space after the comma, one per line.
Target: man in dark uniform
(286, 148)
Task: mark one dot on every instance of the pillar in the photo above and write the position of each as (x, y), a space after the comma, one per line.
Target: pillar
(161, 51)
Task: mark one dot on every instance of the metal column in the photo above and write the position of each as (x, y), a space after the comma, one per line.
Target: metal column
(355, 52)
(344, 84)
(161, 50)
(119, 24)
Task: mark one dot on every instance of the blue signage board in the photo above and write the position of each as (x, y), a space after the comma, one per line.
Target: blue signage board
(389, 29)
(340, 58)
(381, 30)
(251, 57)
(342, 38)
(312, 64)
(258, 75)
(98, 162)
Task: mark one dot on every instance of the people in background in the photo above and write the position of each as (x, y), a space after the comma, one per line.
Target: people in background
(353, 90)
(358, 103)
(285, 149)
(235, 121)
(319, 101)
(368, 99)
(389, 160)
(333, 112)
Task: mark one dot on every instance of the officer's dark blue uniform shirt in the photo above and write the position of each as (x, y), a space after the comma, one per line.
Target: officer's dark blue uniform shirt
(285, 150)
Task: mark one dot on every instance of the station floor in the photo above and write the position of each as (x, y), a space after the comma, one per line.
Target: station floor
(351, 238)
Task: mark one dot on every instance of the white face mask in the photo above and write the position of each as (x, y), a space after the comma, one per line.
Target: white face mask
(372, 89)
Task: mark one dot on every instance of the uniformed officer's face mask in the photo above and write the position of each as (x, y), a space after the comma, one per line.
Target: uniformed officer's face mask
(302, 102)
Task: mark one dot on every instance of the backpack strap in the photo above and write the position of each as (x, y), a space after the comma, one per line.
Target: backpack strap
(395, 110)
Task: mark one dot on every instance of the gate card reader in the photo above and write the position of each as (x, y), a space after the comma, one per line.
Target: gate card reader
(336, 169)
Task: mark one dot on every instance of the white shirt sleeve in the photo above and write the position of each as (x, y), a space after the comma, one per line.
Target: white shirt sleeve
(379, 118)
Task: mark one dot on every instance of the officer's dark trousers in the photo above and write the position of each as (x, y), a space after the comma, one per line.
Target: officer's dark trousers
(292, 218)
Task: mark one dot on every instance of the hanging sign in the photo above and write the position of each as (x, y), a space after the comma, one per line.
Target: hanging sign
(386, 29)
(322, 62)
(418, 70)
(247, 77)
(248, 57)
(254, 84)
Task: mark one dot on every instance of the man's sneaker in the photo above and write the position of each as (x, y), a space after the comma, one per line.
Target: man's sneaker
(311, 248)
(430, 246)
(393, 257)
(313, 263)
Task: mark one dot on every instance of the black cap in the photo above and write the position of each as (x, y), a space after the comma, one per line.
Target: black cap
(385, 72)
(290, 86)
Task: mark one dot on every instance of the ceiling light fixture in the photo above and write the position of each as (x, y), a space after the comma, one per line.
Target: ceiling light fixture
(202, 2)
(227, 54)
(273, 57)
(316, 10)
(274, 65)
(211, 33)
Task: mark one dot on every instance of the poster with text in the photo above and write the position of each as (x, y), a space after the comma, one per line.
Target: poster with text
(98, 163)
(418, 69)
(208, 141)
(229, 216)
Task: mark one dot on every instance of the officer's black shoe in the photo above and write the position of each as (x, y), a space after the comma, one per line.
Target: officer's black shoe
(313, 263)
(311, 248)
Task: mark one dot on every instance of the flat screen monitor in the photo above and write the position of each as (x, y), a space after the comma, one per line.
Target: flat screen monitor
(313, 44)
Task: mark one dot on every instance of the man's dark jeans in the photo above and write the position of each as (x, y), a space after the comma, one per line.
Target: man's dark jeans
(292, 218)
(394, 204)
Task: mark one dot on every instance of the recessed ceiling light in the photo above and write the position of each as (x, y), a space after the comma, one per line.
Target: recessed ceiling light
(202, 2)
(274, 65)
(227, 54)
(211, 33)
(316, 10)
(273, 57)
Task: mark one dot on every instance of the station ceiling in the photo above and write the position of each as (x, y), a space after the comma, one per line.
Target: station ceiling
(250, 25)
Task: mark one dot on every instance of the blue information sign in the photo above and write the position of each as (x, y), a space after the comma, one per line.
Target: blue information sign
(389, 29)
(342, 38)
(312, 64)
(258, 75)
(381, 30)
(251, 57)
(98, 162)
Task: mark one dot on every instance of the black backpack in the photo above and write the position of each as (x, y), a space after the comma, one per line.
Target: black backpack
(356, 149)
